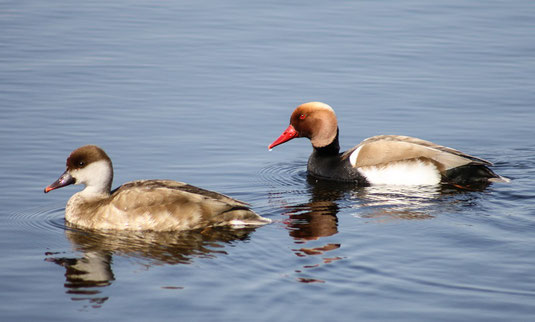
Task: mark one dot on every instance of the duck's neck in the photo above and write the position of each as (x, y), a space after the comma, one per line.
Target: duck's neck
(330, 149)
(326, 163)
(96, 191)
(85, 202)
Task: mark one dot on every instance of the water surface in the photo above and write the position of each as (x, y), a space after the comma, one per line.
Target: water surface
(195, 91)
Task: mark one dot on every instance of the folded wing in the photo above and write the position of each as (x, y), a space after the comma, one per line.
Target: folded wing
(383, 149)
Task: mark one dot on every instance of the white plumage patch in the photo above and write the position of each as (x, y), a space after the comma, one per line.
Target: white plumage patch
(354, 155)
(96, 176)
(410, 172)
(236, 223)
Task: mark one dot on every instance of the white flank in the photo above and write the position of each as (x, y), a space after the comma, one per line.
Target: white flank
(402, 173)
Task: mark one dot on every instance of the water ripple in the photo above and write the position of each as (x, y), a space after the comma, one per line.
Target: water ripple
(39, 219)
(284, 174)
(286, 182)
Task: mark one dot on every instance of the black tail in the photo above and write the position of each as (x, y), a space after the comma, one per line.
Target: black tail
(472, 176)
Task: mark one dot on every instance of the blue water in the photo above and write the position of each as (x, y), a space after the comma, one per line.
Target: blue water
(195, 91)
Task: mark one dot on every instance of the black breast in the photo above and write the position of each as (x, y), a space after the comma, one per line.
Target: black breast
(332, 167)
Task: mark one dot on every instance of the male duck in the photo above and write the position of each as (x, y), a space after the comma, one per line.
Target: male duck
(382, 159)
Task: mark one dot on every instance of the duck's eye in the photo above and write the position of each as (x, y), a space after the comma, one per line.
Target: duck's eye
(302, 116)
(81, 163)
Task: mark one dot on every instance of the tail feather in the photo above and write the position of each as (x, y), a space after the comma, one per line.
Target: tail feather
(243, 216)
(499, 179)
(472, 174)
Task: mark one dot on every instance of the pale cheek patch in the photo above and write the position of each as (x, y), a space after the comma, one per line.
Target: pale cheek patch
(402, 173)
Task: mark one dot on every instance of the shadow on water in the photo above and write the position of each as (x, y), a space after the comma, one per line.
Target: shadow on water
(86, 276)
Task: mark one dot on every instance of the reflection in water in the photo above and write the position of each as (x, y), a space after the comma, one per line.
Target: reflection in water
(395, 202)
(317, 218)
(312, 220)
(87, 275)
(387, 203)
(84, 276)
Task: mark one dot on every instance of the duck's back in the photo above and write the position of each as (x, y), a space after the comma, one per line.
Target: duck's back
(162, 205)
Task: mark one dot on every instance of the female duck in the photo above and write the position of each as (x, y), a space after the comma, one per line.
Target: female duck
(158, 205)
(383, 159)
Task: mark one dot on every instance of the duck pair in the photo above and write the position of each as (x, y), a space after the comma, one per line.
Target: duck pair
(166, 205)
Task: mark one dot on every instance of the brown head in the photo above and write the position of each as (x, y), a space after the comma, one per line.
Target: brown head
(315, 121)
(88, 165)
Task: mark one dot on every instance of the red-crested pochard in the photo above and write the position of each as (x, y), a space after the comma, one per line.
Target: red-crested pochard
(158, 205)
(382, 159)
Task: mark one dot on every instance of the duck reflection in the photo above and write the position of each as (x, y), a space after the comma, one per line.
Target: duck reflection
(312, 220)
(86, 276)
(318, 218)
(394, 203)
(391, 203)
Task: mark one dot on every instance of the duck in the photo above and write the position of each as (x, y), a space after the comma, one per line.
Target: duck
(155, 205)
(381, 159)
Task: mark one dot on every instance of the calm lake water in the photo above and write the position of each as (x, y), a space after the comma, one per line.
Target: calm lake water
(196, 90)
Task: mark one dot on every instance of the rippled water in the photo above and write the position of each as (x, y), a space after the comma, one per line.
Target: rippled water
(195, 91)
